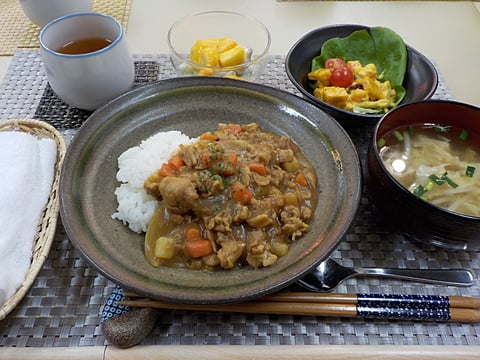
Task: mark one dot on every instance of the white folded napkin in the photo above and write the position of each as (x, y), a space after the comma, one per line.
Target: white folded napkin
(26, 176)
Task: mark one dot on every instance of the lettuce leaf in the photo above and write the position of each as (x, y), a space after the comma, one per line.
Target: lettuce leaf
(378, 45)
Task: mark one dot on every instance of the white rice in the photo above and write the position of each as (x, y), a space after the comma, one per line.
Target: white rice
(135, 206)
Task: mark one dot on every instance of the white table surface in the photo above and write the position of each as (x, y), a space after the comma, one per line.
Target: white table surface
(448, 32)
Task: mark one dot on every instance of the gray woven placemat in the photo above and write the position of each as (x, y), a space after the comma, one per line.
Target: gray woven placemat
(63, 307)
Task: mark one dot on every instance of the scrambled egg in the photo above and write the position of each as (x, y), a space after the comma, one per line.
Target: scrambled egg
(366, 91)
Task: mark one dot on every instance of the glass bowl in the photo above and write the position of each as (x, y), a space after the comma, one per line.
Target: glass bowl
(248, 32)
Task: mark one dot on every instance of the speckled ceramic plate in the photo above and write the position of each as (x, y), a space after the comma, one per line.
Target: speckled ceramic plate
(194, 105)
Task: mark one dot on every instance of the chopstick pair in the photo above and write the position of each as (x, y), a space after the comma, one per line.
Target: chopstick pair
(374, 306)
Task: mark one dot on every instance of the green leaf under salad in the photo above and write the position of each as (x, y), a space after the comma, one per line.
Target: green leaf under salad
(378, 45)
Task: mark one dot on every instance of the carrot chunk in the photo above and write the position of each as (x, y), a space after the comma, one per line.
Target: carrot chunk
(240, 192)
(226, 164)
(301, 179)
(198, 248)
(258, 168)
(167, 170)
(176, 161)
(208, 136)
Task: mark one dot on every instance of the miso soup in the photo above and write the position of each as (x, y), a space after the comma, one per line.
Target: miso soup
(439, 164)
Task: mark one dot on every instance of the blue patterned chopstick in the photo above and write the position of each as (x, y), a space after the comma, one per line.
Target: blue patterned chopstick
(377, 306)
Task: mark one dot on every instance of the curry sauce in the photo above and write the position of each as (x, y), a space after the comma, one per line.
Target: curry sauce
(237, 196)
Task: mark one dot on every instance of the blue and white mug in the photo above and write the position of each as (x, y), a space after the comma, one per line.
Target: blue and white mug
(91, 77)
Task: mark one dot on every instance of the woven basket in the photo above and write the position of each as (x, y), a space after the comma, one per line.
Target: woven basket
(48, 221)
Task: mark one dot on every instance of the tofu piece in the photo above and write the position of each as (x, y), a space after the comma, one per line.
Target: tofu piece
(333, 95)
(321, 76)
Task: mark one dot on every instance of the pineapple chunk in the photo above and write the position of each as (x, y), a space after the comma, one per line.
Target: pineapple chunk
(206, 72)
(232, 57)
(196, 52)
(210, 57)
(225, 44)
(164, 248)
(217, 52)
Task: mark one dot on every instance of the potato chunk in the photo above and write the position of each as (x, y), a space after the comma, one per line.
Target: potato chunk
(164, 248)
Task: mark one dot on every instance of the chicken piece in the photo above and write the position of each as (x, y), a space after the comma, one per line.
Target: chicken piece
(211, 260)
(264, 153)
(151, 186)
(239, 213)
(306, 212)
(221, 222)
(259, 250)
(277, 175)
(293, 224)
(261, 213)
(190, 155)
(285, 155)
(207, 183)
(229, 253)
(261, 180)
(179, 194)
(234, 145)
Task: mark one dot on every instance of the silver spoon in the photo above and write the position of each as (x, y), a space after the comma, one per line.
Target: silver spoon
(329, 274)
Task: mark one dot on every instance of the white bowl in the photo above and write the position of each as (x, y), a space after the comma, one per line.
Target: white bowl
(41, 12)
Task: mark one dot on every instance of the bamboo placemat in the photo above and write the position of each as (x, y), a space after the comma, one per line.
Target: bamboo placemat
(64, 305)
(18, 32)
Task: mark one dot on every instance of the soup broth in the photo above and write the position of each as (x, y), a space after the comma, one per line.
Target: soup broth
(84, 46)
(440, 164)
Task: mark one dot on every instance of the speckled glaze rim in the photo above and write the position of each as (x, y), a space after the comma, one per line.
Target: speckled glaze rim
(88, 181)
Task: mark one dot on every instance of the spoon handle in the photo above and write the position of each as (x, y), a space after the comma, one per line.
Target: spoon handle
(457, 277)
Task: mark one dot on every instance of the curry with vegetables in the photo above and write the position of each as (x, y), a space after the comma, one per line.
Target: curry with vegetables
(236, 196)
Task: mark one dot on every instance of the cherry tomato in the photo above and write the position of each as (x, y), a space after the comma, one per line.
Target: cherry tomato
(334, 63)
(342, 77)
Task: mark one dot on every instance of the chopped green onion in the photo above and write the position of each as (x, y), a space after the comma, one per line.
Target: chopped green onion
(419, 191)
(440, 128)
(381, 142)
(424, 197)
(449, 181)
(429, 186)
(470, 170)
(442, 180)
(436, 179)
(398, 135)
(464, 134)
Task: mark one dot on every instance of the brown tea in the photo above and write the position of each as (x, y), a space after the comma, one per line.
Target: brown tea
(84, 46)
